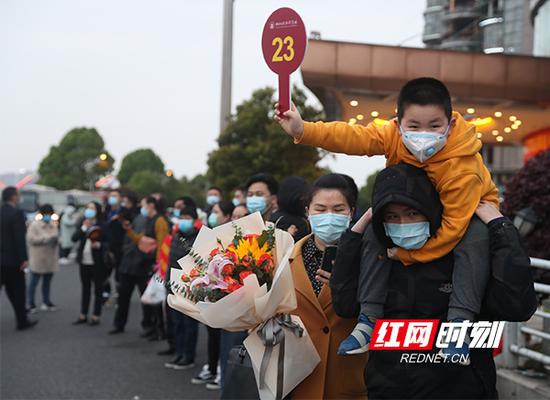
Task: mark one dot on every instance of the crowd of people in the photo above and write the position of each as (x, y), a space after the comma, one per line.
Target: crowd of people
(434, 245)
(120, 242)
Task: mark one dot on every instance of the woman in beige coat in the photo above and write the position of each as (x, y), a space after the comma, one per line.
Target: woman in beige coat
(330, 206)
(42, 238)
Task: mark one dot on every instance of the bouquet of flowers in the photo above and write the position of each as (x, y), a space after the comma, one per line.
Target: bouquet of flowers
(237, 277)
(227, 267)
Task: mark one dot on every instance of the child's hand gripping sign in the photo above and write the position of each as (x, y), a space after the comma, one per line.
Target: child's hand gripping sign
(284, 44)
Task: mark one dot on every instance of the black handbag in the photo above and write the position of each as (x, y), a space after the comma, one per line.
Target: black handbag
(239, 380)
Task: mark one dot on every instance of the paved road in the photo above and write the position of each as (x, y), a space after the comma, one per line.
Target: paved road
(57, 360)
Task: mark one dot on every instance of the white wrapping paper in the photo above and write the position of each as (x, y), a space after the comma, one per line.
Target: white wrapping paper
(249, 306)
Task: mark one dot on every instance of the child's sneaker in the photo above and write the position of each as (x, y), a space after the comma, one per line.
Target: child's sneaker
(453, 352)
(358, 341)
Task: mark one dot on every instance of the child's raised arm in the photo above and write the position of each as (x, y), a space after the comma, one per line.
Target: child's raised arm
(338, 137)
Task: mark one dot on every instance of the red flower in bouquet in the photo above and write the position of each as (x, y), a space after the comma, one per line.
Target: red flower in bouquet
(244, 274)
(232, 284)
(228, 270)
(227, 267)
(266, 262)
(214, 252)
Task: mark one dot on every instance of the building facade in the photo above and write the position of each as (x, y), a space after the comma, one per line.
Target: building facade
(491, 26)
(540, 18)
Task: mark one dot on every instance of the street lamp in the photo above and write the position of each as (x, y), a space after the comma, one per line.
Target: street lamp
(526, 220)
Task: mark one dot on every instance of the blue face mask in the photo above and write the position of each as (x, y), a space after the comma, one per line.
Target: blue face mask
(46, 218)
(213, 220)
(408, 236)
(144, 212)
(236, 202)
(256, 203)
(329, 227)
(176, 212)
(211, 200)
(113, 201)
(185, 225)
(89, 213)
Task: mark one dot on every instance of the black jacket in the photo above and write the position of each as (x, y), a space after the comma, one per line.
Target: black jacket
(180, 246)
(13, 248)
(414, 292)
(114, 232)
(98, 255)
(134, 262)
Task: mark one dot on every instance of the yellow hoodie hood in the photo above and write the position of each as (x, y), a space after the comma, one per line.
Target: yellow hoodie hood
(461, 142)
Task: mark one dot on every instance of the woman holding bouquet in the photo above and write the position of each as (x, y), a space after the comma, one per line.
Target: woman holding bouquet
(90, 257)
(330, 206)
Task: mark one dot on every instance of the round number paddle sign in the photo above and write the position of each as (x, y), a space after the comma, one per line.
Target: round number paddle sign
(284, 44)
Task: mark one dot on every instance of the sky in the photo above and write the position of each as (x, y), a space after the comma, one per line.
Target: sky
(148, 73)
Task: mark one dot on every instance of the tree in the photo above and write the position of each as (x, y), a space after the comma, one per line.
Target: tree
(253, 142)
(365, 193)
(195, 188)
(77, 162)
(146, 182)
(139, 160)
(530, 187)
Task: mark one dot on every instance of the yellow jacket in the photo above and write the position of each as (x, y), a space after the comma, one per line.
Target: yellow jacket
(457, 172)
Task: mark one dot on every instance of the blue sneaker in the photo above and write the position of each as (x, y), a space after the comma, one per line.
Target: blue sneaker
(461, 353)
(358, 341)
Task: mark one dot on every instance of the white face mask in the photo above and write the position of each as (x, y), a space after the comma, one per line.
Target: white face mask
(424, 144)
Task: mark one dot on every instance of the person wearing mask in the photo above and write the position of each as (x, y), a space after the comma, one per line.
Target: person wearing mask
(134, 270)
(330, 206)
(91, 259)
(129, 203)
(180, 204)
(261, 195)
(213, 196)
(239, 196)
(148, 238)
(185, 328)
(239, 212)
(67, 227)
(13, 255)
(114, 234)
(290, 215)
(42, 239)
(221, 214)
(402, 194)
(261, 190)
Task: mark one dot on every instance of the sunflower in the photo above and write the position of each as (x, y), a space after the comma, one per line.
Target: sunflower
(248, 246)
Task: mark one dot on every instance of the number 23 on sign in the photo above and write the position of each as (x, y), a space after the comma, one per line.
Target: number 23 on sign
(278, 42)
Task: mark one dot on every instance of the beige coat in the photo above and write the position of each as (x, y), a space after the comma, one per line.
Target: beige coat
(336, 377)
(42, 240)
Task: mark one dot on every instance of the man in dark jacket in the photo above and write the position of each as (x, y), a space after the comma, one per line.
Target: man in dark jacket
(422, 291)
(13, 249)
(134, 270)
